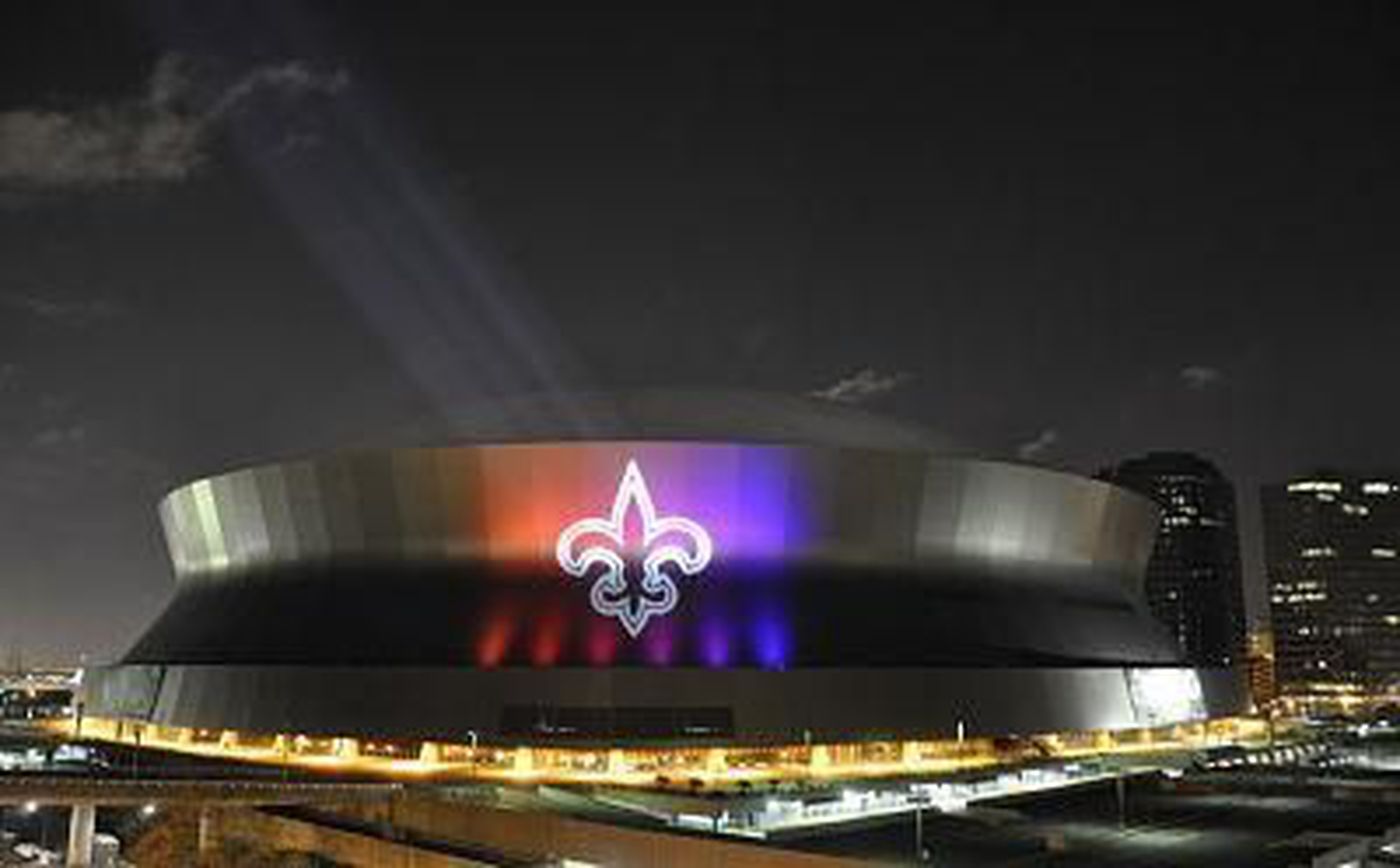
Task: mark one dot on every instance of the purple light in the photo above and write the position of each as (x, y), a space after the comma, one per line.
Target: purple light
(659, 645)
(714, 644)
(743, 495)
(770, 639)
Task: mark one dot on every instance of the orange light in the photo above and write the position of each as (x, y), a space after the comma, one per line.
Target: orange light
(495, 639)
(548, 641)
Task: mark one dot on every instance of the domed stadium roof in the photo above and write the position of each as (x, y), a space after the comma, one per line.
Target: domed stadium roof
(656, 414)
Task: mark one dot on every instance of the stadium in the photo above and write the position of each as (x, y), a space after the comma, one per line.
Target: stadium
(673, 573)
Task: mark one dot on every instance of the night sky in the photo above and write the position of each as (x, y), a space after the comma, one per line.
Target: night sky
(230, 233)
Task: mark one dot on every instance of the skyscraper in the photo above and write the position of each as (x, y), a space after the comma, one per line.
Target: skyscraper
(1193, 578)
(1330, 550)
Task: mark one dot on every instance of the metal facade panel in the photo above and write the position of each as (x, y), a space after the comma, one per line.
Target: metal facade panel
(878, 509)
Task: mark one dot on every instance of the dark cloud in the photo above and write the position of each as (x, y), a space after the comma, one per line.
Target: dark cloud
(160, 136)
(1036, 450)
(64, 435)
(864, 385)
(1200, 376)
(293, 79)
(69, 312)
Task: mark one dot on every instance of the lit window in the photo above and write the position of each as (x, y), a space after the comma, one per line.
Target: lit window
(1320, 552)
(1382, 553)
(1305, 598)
(1376, 488)
(1314, 485)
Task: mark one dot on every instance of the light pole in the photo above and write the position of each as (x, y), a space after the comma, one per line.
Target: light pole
(920, 854)
(1120, 785)
(918, 828)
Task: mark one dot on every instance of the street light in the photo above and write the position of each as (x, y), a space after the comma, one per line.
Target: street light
(1120, 787)
(920, 854)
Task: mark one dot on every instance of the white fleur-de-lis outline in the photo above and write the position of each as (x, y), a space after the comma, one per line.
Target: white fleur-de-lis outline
(608, 595)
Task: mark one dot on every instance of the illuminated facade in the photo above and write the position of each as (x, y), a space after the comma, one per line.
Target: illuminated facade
(1331, 546)
(644, 591)
(679, 766)
(597, 549)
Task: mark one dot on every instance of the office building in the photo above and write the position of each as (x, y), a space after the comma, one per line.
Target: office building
(1331, 541)
(1193, 583)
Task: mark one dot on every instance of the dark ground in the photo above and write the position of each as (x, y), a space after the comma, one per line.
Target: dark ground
(1234, 829)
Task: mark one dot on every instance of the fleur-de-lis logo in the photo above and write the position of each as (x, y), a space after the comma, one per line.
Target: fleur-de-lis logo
(599, 546)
